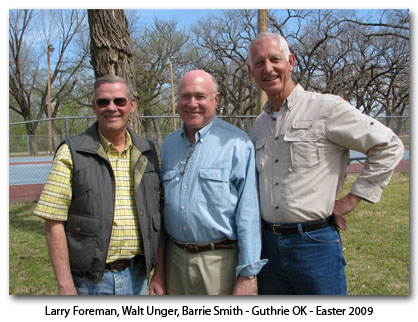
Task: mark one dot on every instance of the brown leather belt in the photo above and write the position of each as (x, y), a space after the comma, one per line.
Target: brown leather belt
(286, 229)
(121, 264)
(192, 248)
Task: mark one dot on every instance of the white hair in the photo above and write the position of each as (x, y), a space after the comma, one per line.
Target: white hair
(284, 46)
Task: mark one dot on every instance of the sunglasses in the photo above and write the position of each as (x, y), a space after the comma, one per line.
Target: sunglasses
(118, 101)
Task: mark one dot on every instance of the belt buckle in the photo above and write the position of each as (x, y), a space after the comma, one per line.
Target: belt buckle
(191, 248)
(116, 266)
(274, 228)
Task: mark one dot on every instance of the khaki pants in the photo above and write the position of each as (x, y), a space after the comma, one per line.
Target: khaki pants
(206, 273)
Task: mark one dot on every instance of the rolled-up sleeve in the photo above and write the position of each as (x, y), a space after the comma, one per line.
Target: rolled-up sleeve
(377, 171)
(354, 130)
(247, 219)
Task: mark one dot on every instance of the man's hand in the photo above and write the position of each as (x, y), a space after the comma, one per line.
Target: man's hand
(67, 290)
(244, 286)
(344, 206)
(157, 285)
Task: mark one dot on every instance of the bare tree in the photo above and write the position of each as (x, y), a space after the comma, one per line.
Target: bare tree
(220, 47)
(111, 50)
(363, 58)
(27, 62)
(155, 47)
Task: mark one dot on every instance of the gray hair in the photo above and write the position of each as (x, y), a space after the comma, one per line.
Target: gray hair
(215, 84)
(284, 46)
(113, 79)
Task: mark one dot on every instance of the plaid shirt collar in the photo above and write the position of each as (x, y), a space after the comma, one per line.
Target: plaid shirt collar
(108, 146)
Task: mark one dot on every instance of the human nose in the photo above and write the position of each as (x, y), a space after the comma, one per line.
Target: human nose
(192, 101)
(268, 67)
(111, 106)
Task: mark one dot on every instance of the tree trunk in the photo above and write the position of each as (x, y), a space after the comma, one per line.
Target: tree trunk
(111, 50)
(33, 145)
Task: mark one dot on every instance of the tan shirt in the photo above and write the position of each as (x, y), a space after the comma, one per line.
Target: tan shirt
(302, 156)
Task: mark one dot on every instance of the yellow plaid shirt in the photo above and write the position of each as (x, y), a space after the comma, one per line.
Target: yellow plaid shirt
(55, 200)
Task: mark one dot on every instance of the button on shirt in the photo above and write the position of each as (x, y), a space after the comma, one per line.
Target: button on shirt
(210, 190)
(302, 154)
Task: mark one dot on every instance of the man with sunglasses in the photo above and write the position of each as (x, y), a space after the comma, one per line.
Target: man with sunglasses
(211, 211)
(101, 202)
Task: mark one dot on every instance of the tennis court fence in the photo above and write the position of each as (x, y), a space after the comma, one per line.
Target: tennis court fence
(155, 128)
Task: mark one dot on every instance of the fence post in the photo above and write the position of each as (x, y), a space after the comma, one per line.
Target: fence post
(67, 131)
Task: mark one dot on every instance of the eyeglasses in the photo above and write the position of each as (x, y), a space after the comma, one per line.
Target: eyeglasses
(186, 160)
(118, 101)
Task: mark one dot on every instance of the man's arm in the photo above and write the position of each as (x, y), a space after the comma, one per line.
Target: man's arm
(244, 286)
(248, 223)
(58, 252)
(351, 129)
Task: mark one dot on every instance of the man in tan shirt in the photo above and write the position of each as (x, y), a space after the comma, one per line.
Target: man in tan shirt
(302, 142)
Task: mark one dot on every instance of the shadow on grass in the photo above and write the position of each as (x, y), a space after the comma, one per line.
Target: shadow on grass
(21, 218)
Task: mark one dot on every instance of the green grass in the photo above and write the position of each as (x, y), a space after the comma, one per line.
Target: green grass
(30, 270)
(376, 246)
(376, 242)
(405, 141)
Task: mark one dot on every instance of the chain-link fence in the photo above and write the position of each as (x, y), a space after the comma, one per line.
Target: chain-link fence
(155, 128)
(31, 155)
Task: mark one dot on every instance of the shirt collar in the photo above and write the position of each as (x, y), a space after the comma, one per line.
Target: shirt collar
(199, 136)
(288, 103)
(294, 96)
(108, 146)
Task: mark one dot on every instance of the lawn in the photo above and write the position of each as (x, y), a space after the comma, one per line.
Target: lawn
(376, 243)
(30, 270)
(376, 246)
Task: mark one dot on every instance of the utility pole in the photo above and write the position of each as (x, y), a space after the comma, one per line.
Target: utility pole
(262, 20)
(49, 51)
(172, 94)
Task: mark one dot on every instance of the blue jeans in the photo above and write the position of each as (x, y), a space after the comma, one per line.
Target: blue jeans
(130, 281)
(304, 263)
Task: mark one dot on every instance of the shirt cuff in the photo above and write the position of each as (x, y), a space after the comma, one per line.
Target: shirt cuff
(251, 269)
(366, 190)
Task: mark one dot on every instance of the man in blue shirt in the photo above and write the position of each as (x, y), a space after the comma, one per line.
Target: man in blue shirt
(211, 209)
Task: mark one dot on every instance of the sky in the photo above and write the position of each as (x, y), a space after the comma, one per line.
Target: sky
(184, 17)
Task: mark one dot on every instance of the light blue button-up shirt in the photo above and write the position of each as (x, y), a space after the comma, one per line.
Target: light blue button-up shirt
(210, 191)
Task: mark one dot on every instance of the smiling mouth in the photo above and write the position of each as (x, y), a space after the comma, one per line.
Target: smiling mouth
(272, 78)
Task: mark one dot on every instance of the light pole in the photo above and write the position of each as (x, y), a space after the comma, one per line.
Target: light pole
(172, 94)
(262, 20)
(49, 51)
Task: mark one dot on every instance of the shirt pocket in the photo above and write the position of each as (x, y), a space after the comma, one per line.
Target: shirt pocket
(215, 186)
(260, 153)
(303, 138)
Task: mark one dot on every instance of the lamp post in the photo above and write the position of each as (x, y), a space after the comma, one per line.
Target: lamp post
(262, 21)
(172, 94)
(49, 51)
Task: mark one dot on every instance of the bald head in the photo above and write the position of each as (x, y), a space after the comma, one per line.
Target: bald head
(199, 76)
